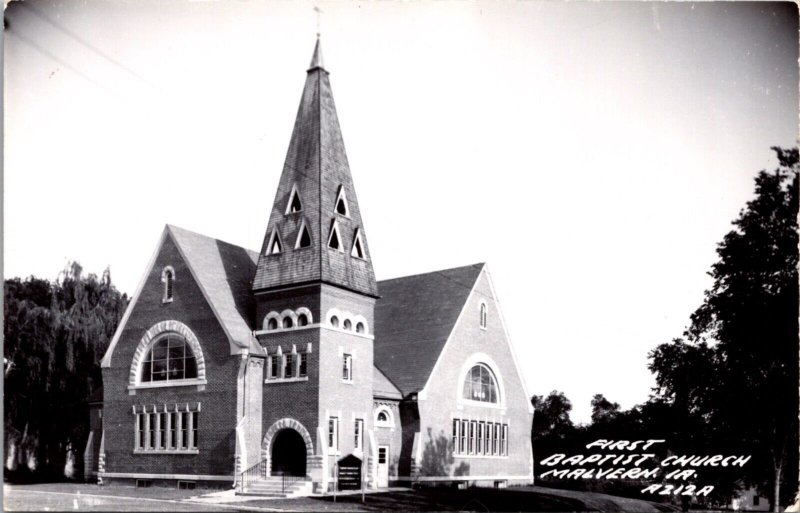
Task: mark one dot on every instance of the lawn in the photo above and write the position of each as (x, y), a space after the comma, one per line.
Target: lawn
(66, 496)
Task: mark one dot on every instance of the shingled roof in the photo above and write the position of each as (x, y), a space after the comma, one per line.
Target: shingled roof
(224, 272)
(414, 318)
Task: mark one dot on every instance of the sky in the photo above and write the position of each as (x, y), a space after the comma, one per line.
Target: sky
(593, 154)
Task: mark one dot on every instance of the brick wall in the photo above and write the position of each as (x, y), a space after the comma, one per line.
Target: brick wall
(441, 403)
(217, 419)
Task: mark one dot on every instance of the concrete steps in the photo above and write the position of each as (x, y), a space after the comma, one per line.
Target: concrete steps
(273, 487)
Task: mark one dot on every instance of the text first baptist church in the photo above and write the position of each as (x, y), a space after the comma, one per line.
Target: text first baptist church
(232, 363)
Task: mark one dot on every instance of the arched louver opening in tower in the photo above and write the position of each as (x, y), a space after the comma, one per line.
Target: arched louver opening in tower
(341, 203)
(358, 246)
(294, 204)
(303, 237)
(335, 238)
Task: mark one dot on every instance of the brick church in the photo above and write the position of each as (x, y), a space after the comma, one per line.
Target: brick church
(238, 367)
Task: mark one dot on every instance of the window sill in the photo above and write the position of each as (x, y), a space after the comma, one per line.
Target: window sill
(166, 451)
(348, 381)
(200, 383)
(285, 380)
(480, 404)
(165, 301)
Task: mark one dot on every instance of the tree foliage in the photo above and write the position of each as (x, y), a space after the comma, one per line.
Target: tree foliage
(735, 374)
(55, 333)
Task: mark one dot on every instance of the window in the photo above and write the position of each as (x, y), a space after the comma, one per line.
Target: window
(358, 246)
(168, 278)
(287, 322)
(288, 366)
(487, 429)
(303, 365)
(294, 204)
(341, 203)
(462, 446)
(504, 441)
(382, 455)
(169, 359)
(335, 239)
(274, 246)
(302, 320)
(333, 433)
(483, 315)
(272, 324)
(359, 434)
(335, 321)
(348, 325)
(360, 327)
(472, 428)
(456, 423)
(479, 447)
(272, 366)
(166, 430)
(384, 417)
(347, 368)
(480, 385)
(303, 237)
(495, 437)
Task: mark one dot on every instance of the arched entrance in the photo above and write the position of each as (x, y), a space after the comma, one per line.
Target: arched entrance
(288, 453)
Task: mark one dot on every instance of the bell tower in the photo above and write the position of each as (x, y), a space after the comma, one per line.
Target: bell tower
(315, 293)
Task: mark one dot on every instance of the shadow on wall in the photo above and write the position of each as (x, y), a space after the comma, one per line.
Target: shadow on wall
(437, 457)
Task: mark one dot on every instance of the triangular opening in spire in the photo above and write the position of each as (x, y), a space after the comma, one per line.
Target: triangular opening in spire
(358, 246)
(275, 245)
(303, 237)
(335, 238)
(341, 203)
(294, 204)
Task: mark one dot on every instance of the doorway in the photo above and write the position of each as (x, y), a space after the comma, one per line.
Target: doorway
(288, 453)
(383, 466)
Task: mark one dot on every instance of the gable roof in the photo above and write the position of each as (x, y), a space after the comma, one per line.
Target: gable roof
(414, 318)
(223, 272)
(382, 387)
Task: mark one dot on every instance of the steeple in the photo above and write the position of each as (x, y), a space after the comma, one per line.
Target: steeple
(315, 233)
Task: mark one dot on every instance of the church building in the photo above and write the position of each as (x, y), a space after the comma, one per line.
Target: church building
(291, 370)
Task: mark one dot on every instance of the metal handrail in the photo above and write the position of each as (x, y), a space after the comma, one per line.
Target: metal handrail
(289, 479)
(257, 471)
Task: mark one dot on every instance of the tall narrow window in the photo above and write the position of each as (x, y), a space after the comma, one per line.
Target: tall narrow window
(335, 238)
(294, 204)
(333, 433)
(185, 429)
(504, 441)
(303, 365)
(140, 431)
(275, 246)
(168, 278)
(358, 246)
(347, 368)
(462, 446)
(479, 447)
(487, 427)
(303, 237)
(455, 435)
(288, 368)
(162, 430)
(483, 315)
(341, 203)
(359, 434)
(472, 435)
(272, 367)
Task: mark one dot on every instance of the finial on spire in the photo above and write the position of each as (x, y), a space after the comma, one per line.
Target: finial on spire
(316, 59)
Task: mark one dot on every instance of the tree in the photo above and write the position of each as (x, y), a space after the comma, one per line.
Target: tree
(737, 370)
(552, 428)
(603, 410)
(56, 333)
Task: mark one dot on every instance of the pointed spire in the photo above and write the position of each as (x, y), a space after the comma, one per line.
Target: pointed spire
(316, 59)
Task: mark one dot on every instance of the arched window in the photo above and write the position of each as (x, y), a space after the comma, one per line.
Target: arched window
(168, 278)
(483, 315)
(360, 327)
(348, 325)
(272, 324)
(335, 321)
(481, 385)
(384, 417)
(169, 359)
(302, 320)
(287, 322)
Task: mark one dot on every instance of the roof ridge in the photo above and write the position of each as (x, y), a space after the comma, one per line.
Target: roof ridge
(478, 265)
